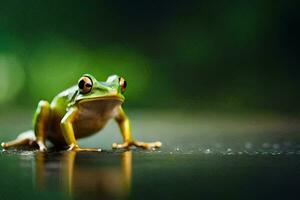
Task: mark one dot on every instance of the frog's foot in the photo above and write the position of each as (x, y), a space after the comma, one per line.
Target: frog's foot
(15, 143)
(42, 146)
(121, 146)
(147, 145)
(26, 138)
(144, 145)
(75, 147)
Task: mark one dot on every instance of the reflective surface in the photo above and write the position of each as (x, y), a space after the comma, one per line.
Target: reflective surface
(203, 157)
(85, 175)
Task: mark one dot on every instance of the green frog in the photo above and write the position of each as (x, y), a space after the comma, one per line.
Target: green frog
(78, 112)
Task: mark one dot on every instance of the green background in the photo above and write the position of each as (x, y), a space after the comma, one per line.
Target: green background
(195, 55)
(217, 82)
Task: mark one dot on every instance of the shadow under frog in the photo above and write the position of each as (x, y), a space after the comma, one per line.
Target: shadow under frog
(85, 175)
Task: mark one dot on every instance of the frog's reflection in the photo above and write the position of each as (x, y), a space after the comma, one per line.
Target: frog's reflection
(83, 175)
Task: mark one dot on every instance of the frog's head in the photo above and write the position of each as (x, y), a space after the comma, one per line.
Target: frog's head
(89, 89)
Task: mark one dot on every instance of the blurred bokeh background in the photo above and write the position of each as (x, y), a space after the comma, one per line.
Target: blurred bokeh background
(198, 55)
(216, 81)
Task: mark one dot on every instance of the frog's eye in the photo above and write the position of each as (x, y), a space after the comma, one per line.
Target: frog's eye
(85, 84)
(123, 84)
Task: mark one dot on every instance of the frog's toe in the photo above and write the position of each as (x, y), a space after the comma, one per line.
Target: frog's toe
(75, 147)
(42, 146)
(87, 150)
(157, 144)
(120, 146)
(3, 145)
(147, 145)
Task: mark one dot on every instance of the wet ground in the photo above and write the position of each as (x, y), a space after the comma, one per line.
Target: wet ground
(204, 156)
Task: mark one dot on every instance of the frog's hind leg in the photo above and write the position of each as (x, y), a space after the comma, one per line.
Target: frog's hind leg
(27, 138)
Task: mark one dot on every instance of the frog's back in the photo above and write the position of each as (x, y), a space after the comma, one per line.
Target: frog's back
(61, 101)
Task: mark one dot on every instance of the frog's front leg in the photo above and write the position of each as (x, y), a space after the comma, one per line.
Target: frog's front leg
(68, 131)
(124, 125)
(40, 122)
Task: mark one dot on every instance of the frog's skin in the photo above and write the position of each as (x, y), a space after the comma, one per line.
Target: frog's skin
(78, 112)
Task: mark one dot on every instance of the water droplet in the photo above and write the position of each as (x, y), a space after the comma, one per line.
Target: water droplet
(229, 151)
(207, 151)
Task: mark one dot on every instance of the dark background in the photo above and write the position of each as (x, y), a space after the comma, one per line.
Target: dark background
(190, 55)
(217, 82)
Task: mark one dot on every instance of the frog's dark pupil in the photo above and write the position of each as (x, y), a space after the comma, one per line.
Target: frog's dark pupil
(125, 84)
(81, 84)
(88, 85)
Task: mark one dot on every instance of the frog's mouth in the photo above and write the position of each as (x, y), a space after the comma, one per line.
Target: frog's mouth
(101, 99)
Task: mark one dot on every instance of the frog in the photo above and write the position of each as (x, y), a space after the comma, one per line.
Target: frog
(78, 112)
